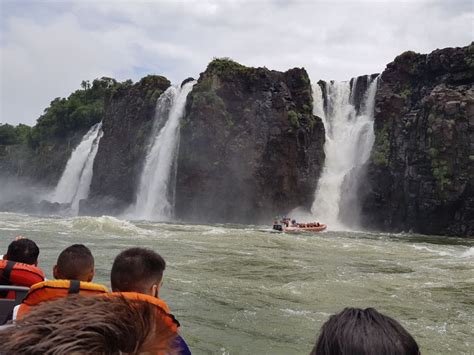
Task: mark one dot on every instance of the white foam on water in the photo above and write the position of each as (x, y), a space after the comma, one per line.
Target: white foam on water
(434, 251)
(108, 224)
(468, 253)
(215, 231)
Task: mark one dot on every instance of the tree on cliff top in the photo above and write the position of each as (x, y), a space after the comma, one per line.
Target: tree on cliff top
(82, 109)
(10, 135)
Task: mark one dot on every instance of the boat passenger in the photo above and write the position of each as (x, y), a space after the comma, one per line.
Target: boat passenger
(293, 223)
(140, 270)
(364, 331)
(91, 325)
(19, 266)
(22, 250)
(74, 271)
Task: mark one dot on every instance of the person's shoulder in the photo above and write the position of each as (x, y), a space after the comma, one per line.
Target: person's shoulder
(181, 346)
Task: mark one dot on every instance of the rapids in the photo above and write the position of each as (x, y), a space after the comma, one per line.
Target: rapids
(244, 290)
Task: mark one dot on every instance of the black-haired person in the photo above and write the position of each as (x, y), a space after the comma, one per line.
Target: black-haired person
(22, 250)
(357, 331)
(75, 263)
(140, 270)
(74, 271)
(19, 266)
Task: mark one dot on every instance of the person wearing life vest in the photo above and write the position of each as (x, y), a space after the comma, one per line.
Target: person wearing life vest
(19, 266)
(138, 273)
(73, 272)
(92, 325)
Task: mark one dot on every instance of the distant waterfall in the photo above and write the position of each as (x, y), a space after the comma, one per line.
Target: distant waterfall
(77, 176)
(349, 140)
(155, 198)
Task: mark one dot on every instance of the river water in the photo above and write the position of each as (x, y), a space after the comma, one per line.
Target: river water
(245, 290)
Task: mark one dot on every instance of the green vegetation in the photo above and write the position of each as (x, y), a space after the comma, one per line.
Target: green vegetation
(308, 108)
(82, 109)
(440, 171)
(10, 135)
(294, 119)
(408, 61)
(226, 68)
(406, 55)
(221, 66)
(439, 165)
(305, 78)
(381, 147)
(470, 56)
(405, 92)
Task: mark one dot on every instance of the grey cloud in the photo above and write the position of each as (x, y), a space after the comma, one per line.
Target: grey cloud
(331, 39)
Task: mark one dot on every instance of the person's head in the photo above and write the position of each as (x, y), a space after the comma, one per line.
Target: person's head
(75, 263)
(357, 331)
(138, 270)
(92, 325)
(23, 250)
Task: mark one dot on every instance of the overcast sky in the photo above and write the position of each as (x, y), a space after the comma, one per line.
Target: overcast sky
(49, 47)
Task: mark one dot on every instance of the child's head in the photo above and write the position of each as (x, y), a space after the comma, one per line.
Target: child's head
(138, 270)
(75, 263)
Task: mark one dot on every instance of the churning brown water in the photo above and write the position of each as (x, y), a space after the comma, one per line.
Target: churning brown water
(244, 290)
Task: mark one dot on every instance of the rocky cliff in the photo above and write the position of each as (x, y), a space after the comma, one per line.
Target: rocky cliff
(43, 165)
(127, 123)
(250, 146)
(421, 170)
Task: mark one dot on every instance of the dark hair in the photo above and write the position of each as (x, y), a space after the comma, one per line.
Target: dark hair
(92, 325)
(23, 251)
(357, 331)
(74, 261)
(135, 269)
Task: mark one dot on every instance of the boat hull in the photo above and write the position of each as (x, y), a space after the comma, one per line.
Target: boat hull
(319, 228)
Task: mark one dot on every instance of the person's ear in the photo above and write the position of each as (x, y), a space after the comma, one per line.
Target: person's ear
(55, 272)
(155, 290)
(91, 275)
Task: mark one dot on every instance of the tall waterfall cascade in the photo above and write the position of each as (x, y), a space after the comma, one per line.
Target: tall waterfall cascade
(75, 181)
(349, 140)
(155, 196)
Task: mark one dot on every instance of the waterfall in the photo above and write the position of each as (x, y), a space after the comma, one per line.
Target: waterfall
(318, 103)
(155, 197)
(77, 176)
(349, 140)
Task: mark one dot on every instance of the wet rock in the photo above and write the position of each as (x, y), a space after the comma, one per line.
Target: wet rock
(117, 167)
(250, 146)
(420, 176)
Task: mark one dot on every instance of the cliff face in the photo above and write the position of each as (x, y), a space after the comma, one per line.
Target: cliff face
(250, 146)
(421, 169)
(127, 123)
(42, 166)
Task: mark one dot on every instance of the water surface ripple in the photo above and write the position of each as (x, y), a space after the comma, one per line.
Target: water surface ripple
(244, 290)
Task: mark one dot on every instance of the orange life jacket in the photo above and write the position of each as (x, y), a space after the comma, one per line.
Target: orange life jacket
(169, 319)
(18, 274)
(54, 289)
